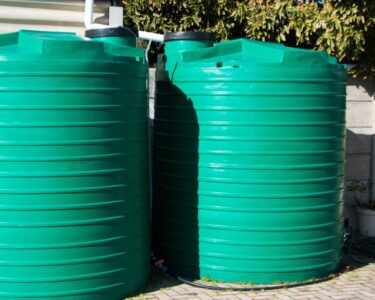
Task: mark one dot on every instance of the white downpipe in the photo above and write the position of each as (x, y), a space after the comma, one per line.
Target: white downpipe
(89, 16)
(150, 36)
(115, 20)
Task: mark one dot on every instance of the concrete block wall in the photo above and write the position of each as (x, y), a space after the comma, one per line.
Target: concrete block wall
(359, 140)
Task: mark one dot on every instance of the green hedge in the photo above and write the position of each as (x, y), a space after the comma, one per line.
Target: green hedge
(343, 28)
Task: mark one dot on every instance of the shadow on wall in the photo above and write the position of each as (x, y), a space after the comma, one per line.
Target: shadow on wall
(175, 184)
(367, 85)
(358, 168)
(359, 141)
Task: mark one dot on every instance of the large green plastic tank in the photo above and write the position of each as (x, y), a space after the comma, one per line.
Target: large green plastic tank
(249, 160)
(74, 208)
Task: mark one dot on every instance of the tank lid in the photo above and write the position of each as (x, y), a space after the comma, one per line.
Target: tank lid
(30, 46)
(189, 35)
(112, 31)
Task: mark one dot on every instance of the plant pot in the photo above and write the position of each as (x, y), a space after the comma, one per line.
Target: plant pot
(366, 221)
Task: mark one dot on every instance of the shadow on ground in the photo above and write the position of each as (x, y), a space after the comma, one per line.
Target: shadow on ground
(160, 280)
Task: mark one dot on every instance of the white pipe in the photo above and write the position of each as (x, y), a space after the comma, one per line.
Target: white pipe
(89, 16)
(150, 36)
(89, 12)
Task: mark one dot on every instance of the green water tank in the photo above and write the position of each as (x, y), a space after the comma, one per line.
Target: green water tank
(248, 160)
(74, 201)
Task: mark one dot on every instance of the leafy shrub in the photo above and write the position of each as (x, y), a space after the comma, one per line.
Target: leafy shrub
(343, 28)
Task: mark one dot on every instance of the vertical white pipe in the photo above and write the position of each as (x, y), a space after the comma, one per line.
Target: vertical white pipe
(89, 11)
(115, 20)
(89, 16)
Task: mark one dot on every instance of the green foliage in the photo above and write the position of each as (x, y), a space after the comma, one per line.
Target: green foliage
(343, 28)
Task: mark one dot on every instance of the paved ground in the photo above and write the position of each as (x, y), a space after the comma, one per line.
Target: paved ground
(356, 282)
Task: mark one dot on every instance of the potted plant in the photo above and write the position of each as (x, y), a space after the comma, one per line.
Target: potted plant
(365, 209)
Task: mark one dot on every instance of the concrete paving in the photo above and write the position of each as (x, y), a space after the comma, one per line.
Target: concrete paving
(356, 282)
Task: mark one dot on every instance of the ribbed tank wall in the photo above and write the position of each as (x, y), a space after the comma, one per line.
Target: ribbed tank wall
(74, 208)
(249, 163)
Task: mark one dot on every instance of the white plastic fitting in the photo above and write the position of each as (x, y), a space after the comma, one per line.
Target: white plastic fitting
(116, 15)
(151, 36)
(89, 15)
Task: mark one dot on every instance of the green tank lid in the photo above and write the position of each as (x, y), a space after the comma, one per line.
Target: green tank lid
(64, 45)
(261, 55)
(179, 42)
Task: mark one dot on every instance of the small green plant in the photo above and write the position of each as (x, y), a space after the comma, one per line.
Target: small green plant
(359, 188)
(352, 276)
(206, 279)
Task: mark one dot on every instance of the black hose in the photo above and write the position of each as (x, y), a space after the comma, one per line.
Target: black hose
(250, 288)
(160, 265)
(360, 247)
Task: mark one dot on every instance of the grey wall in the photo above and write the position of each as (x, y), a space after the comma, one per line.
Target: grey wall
(359, 141)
